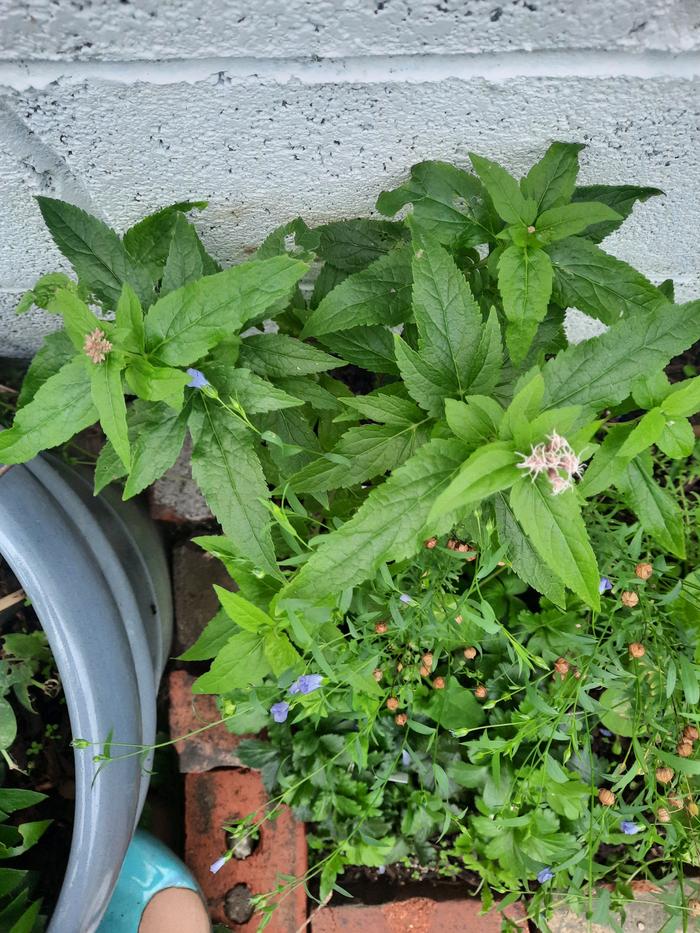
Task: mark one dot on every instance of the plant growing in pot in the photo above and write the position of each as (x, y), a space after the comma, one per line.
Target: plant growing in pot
(438, 609)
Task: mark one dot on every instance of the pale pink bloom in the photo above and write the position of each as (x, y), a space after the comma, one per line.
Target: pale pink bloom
(97, 346)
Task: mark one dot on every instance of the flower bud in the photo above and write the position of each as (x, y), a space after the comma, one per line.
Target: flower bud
(629, 599)
(606, 797)
(401, 719)
(662, 815)
(691, 734)
(470, 653)
(530, 229)
(694, 907)
(561, 666)
(452, 544)
(427, 659)
(377, 674)
(399, 667)
(424, 671)
(392, 704)
(637, 650)
(381, 628)
(684, 749)
(439, 683)
(643, 571)
(481, 692)
(692, 808)
(664, 775)
(430, 543)
(577, 674)
(675, 802)
(459, 619)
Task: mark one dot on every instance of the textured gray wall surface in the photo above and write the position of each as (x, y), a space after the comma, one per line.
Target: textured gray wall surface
(270, 110)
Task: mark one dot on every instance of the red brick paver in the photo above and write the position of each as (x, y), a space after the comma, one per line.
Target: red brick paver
(414, 915)
(212, 748)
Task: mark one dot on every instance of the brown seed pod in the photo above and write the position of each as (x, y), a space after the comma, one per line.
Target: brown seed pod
(694, 907)
(606, 797)
(664, 775)
(381, 628)
(630, 599)
(637, 649)
(427, 659)
(401, 719)
(684, 749)
(399, 667)
(662, 815)
(481, 692)
(577, 673)
(675, 802)
(561, 666)
(424, 671)
(430, 543)
(377, 674)
(452, 544)
(691, 734)
(392, 704)
(643, 571)
(470, 653)
(693, 808)
(439, 683)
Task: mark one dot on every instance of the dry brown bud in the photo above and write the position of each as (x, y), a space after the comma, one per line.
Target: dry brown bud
(392, 703)
(401, 719)
(561, 666)
(381, 628)
(470, 653)
(637, 650)
(664, 775)
(452, 544)
(577, 673)
(662, 815)
(430, 543)
(427, 659)
(399, 667)
(694, 907)
(691, 734)
(606, 797)
(684, 749)
(692, 808)
(481, 692)
(675, 802)
(629, 599)
(643, 571)
(439, 683)
(377, 674)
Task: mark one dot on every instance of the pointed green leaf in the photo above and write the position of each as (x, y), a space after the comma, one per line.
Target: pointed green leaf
(426, 384)
(504, 191)
(551, 181)
(95, 251)
(244, 613)
(525, 284)
(487, 361)
(351, 245)
(157, 383)
(279, 355)
(57, 350)
(184, 325)
(148, 241)
(658, 511)
(60, 408)
(621, 198)
(240, 664)
(556, 529)
(128, 322)
(156, 433)
(184, 263)
(78, 319)
(474, 420)
(572, 219)
(217, 632)
(371, 347)
(683, 399)
(255, 394)
(227, 470)
(677, 439)
(387, 409)
(108, 396)
(489, 469)
(280, 653)
(645, 433)
(379, 294)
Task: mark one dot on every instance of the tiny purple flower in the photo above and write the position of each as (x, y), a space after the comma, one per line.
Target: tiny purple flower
(198, 380)
(545, 875)
(218, 865)
(629, 828)
(606, 732)
(280, 711)
(405, 599)
(405, 758)
(604, 585)
(381, 870)
(307, 683)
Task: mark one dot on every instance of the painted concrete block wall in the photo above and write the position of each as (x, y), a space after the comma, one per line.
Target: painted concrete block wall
(273, 109)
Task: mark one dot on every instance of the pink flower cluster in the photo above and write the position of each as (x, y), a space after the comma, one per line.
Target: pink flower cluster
(556, 459)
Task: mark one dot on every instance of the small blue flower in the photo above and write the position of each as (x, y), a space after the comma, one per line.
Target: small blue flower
(606, 732)
(218, 865)
(604, 585)
(545, 875)
(198, 380)
(405, 598)
(280, 711)
(629, 828)
(307, 683)
(405, 758)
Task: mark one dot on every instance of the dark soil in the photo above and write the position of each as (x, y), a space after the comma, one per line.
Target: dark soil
(407, 879)
(44, 762)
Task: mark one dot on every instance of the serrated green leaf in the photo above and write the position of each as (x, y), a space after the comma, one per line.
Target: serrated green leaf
(184, 325)
(386, 527)
(108, 398)
(148, 241)
(447, 203)
(56, 351)
(255, 394)
(95, 251)
(621, 198)
(60, 408)
(293, 239)
(379, 294)
(572, 219)
(683, 399)
(227, 470)
(645, 433)
(279, 355)
(78, 319)
(677, 439)
(184, 263)
(474, 420)
(525, 284)
(240, 664)
(426, 384)
(351, 245)
(44, 290)
(108, 468)
(658, 511)
(280, 653)
(372, 348)
(157, 383)
(487, 362)
(504, 191)
(244, 613)
(489, 469)
(587, 278)
(551, 181)
(387, 409)
(599, 372)
(156, 434)
(524, 559)
(556, 529)
(128, 322)
(215, 635)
